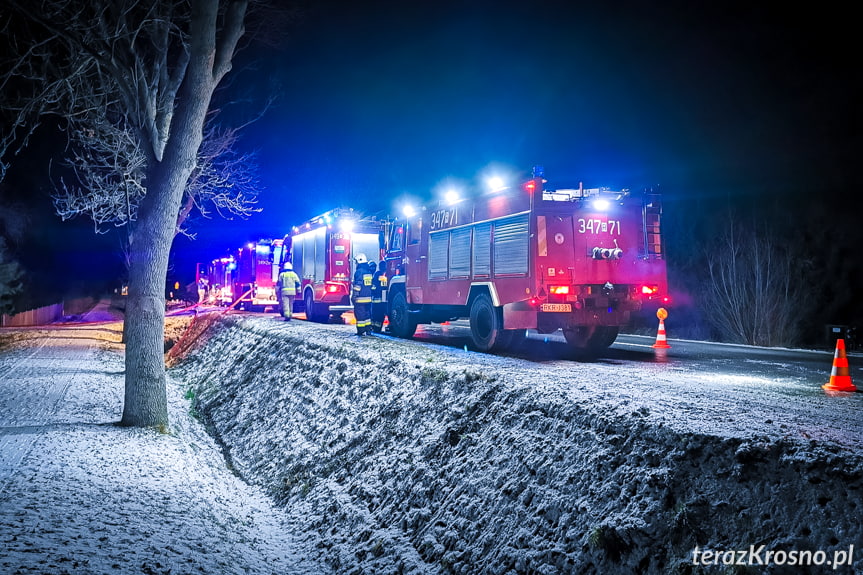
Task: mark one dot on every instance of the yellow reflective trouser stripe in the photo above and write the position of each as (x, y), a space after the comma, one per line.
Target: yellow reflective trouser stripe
(363, 300)
(364, 322)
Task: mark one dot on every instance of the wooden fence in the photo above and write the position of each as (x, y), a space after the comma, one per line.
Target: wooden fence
(38, 316)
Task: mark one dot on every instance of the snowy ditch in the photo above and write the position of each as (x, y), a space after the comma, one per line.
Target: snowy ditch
(400, 457)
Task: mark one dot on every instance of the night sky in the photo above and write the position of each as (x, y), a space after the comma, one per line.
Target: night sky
(383, 99)
(380, 100)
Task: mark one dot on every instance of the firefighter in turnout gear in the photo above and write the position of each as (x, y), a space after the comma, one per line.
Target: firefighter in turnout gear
(379, 307)
(288, 285)
(362, 295)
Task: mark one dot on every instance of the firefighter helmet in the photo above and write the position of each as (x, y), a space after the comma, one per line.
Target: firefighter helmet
(288, 266)
(361, 258)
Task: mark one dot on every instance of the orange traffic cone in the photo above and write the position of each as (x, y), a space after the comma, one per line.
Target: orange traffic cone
(660, 336)
(840, 380)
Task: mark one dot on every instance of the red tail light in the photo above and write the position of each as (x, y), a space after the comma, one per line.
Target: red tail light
(559, 290)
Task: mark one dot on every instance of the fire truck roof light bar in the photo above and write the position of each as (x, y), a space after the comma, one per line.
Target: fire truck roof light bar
(345, 218)
(582, 194)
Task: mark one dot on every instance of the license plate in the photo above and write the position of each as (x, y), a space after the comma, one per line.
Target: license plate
(565, 307)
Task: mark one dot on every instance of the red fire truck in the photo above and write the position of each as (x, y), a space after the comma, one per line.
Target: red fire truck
(322, 252)
(254, 280)
(215, 279)
(518, 258)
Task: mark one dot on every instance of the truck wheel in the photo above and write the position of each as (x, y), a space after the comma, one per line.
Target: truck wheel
(312, 312)
(516, 338)
(577, 337)
(316, 312)
(486, 325)
(308, 305)
(603, 337)
(590, 339)
(401, 323)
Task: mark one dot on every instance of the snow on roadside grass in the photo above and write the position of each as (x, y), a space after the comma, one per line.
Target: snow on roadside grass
(91, 497)
(404, 457)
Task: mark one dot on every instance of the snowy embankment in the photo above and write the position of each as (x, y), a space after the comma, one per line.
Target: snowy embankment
(404, 457)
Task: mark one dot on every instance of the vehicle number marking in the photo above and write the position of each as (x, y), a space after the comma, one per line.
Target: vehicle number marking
(598, 226)
(444, 218)
(564, 307)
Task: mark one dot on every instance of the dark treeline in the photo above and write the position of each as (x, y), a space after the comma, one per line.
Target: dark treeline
(770, 270)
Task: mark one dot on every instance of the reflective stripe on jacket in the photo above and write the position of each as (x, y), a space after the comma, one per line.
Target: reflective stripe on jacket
(289, 281)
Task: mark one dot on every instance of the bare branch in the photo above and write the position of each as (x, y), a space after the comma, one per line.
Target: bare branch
(109, 167)
(131, 81)
(224, 178)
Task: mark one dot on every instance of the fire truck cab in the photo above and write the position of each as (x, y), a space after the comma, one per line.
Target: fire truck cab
(322, 252)
(517, 258)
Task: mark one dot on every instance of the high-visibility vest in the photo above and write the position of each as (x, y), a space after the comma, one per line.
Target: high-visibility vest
(288, 282)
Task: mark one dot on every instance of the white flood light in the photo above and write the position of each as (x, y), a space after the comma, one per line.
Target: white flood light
(601, 204)
(495, 183)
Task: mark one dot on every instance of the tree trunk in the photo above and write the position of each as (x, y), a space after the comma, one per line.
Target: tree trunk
(145, 402)
(145, 398)
(145, 393)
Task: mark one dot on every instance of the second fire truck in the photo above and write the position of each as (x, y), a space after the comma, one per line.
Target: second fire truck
(577, 260)
(255, 275)
(322, 252)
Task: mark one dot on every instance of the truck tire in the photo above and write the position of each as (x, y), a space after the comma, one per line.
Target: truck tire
(315, 312)
(603, 337)
(590, 339)
(401, 323)
(516, 339)
(577, 337)
(486, 325)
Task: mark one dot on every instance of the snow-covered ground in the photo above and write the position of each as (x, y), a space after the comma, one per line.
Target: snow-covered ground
(380, 456)
(405, 457)
(80, 495)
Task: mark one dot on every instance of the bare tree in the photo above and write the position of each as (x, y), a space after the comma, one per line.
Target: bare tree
(224, 179)
(138, 74)
(752, 294)
(109, 169)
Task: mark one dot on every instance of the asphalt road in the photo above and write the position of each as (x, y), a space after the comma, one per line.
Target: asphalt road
(796, 366)
(706, 357)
